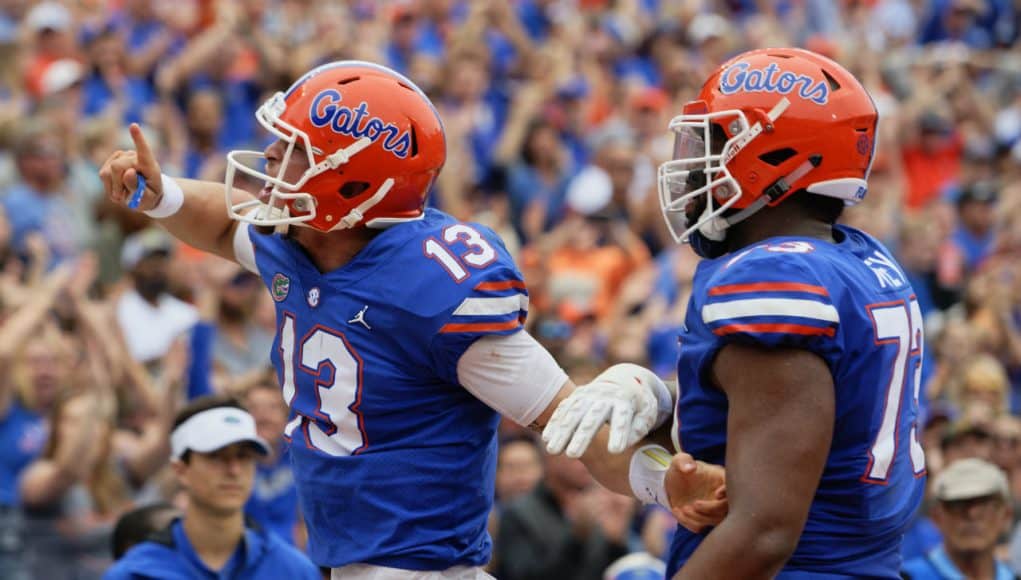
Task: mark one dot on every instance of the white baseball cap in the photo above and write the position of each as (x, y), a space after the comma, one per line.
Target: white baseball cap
(969, 479)
(590, 191)
(213, 429)
(61, 75)
(143, 244)
(48, 16)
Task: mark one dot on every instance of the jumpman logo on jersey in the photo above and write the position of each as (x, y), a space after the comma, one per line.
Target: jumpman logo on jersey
(360, 317)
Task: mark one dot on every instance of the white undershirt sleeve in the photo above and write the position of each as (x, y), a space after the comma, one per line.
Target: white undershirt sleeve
(513, 374)
(244, 251)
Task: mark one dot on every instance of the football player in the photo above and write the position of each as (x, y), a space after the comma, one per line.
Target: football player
(400, 330)
(802, 344)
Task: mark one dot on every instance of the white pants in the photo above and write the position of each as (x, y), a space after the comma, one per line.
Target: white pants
(369, 572)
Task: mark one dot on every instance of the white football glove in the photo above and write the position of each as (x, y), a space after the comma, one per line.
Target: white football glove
(631, 398)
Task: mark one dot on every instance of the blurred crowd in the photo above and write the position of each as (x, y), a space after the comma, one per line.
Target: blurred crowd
(556, 115)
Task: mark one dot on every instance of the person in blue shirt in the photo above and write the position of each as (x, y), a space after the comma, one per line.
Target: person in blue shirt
(975, 233)
(972, 509)
(802, 343)
(23, 432)
(214, 447)
(38, 203)
(400, 330)
(274, 501)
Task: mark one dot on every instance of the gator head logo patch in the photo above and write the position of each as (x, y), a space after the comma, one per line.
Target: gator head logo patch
(358, 122)
(740, 77)
(280, 287)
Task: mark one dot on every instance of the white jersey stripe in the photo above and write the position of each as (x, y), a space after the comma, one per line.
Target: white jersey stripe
(292, 425)
(769, 307)
(492, 306)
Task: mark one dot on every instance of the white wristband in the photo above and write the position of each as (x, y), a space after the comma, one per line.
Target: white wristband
(172, 200)
(647, 474)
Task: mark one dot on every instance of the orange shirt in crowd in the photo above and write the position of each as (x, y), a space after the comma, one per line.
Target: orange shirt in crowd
(586, 281)
(927, 173)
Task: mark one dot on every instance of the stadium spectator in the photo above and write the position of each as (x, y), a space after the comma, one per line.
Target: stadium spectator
(90, 471)
(215, 446)
(972, 241)
(74, 491)
(967, 437)
(519, 468)
(972, 510)
(149, 316)
(274, 501)
(50, 25)
(40, 202)
(22, 431)
(568, 527)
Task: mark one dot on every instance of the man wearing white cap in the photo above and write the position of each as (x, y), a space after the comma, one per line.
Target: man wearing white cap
(214, 448)
(972, 510)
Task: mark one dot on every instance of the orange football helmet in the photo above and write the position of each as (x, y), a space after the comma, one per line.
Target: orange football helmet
(374, 145)
(767, 123)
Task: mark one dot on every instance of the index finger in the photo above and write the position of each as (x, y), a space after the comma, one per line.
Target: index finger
(145, 156)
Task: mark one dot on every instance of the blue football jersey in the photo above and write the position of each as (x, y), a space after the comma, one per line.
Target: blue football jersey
(850, 303)
(394, 461)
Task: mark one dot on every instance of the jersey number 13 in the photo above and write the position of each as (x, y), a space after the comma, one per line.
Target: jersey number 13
(326, 354)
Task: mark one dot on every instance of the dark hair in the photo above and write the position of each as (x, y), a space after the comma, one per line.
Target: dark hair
(534, 127)
(135, 526)
(203, 404)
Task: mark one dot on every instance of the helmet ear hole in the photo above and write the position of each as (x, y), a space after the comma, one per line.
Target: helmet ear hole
(353, 189)
(778, 156)
(414, 141)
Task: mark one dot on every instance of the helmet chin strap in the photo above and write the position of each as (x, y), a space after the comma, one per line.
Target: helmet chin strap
(357, 214)
(715, 229)
(353, 217)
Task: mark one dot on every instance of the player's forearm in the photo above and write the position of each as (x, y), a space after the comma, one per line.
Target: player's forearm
(612, 470)
(202, 221)
(741, 547)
